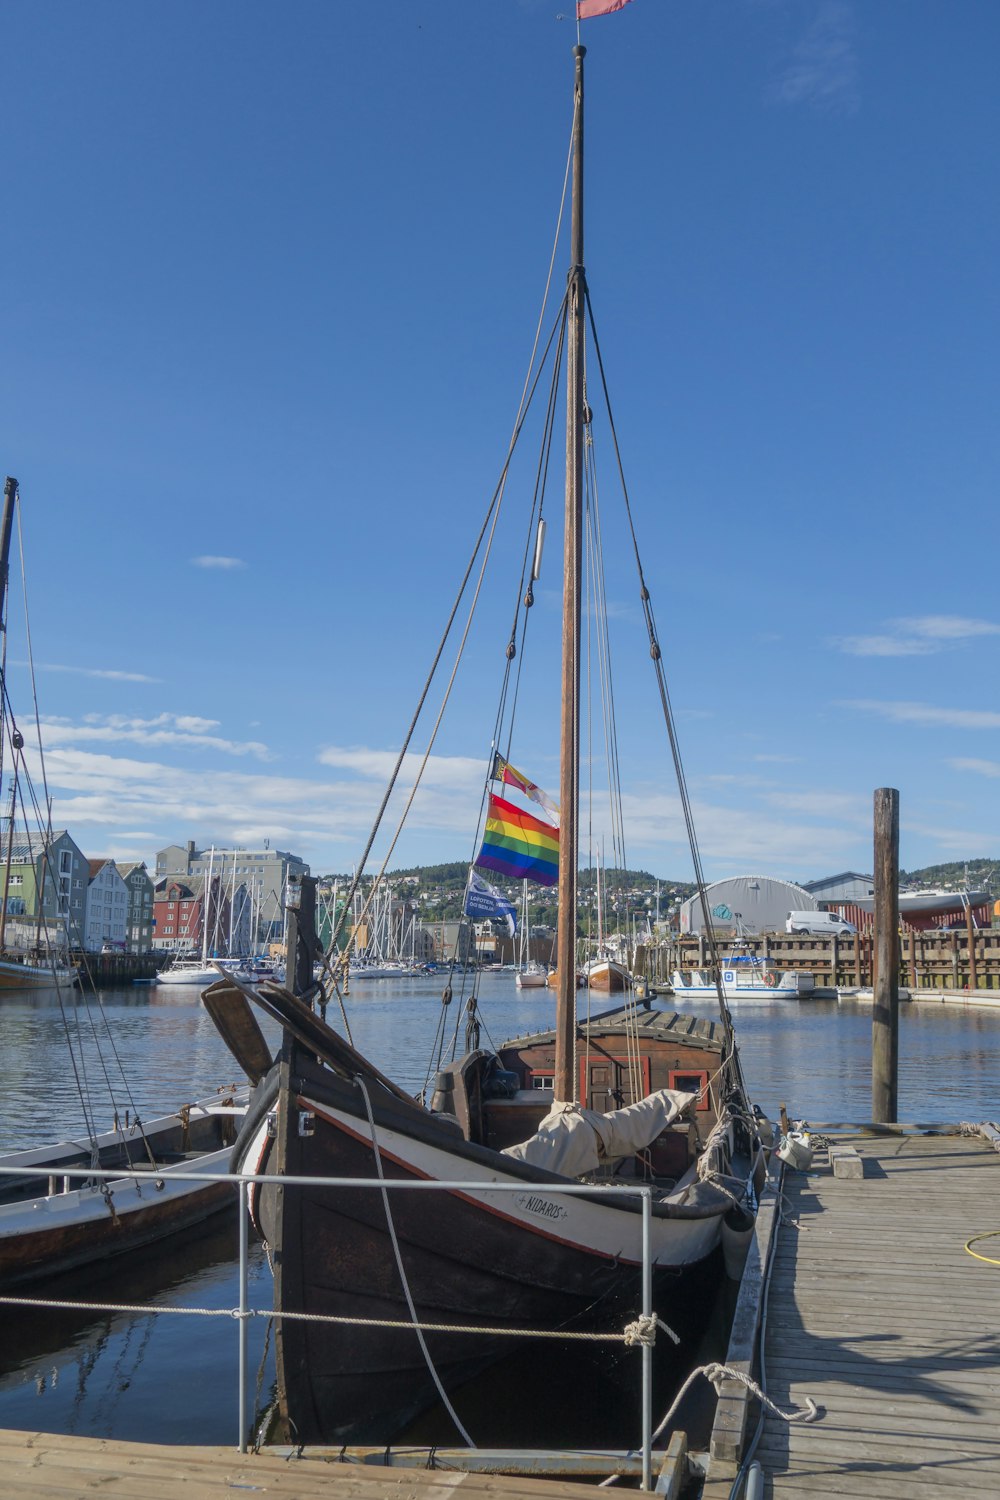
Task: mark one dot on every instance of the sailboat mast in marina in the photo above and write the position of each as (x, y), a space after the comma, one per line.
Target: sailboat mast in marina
(428, 1288)
(563, 1086)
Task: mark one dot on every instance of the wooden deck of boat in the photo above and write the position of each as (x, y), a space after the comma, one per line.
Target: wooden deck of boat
(878, 1313)
(54, 1467)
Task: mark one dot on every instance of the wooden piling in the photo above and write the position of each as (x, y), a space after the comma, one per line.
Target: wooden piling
(970, 928)
(885, 987)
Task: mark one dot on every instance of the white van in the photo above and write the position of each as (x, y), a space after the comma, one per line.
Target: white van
(822, 923)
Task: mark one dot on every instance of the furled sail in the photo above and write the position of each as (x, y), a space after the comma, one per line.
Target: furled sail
(572, 1140)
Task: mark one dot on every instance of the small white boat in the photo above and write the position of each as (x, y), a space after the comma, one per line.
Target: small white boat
(188, 971)
(532, 977)
(746, 977)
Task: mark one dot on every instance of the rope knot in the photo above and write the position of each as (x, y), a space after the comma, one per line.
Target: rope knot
(642, 1331)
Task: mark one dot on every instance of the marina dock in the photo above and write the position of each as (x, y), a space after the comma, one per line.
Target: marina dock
(877, 1312)
(45, 1466)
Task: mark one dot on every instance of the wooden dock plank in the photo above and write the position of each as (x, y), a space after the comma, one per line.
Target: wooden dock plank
(46, 1466)
(877, 1313)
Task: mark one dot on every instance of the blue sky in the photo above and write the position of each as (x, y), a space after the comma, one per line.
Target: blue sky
(270, 277)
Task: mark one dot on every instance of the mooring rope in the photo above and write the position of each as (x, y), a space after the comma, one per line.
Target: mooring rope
(359, 1080)
(641, 1331)
(716, 1374)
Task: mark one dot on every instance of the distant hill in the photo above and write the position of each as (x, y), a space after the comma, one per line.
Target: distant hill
(983, 874)
(955, 874)
(439, 889)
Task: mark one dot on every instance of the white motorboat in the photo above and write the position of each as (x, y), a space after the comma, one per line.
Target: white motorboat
(745, 976)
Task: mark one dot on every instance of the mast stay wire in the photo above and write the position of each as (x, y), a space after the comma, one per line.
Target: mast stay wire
(522, 605)
(532, 377)
(598, 612)
(494, 510)
(657, 657)
(524, 598)
(522, 411)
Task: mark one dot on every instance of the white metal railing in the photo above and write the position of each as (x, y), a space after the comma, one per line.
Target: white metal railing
(243, 1312)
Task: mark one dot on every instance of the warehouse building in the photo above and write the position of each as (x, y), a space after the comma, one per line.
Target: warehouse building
(753, 903)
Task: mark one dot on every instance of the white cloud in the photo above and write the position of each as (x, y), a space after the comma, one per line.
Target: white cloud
(978, 767)
(947, 627)
(164, 729)
(926, 714)
(224, 564)
(824, 804)
(112, 674)
(732, 837)
(823, 69)
(919, 635)
(441, 770)
(882, 645)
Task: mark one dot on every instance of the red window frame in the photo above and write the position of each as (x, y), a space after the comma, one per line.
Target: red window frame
(675, 1076)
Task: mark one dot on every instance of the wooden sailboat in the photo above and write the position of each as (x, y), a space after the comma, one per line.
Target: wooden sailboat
(426, 1287)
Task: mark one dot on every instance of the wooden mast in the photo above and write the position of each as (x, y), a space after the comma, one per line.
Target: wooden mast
(564, 1081)
(9, 496)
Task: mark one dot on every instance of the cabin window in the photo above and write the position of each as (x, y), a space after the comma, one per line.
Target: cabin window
(691, 1083)
(541, 1080)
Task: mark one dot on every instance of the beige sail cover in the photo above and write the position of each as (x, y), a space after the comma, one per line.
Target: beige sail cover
(572, 1140)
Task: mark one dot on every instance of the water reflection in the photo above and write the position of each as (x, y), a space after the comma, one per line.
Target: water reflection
(130, 1376)
(137, 1375)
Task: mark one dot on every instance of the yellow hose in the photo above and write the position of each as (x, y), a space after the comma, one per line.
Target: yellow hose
(989, 1235)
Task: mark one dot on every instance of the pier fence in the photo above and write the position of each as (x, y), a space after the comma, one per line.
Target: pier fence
(641, 1335)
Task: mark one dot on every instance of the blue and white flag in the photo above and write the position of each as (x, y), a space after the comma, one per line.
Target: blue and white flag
(485, 903)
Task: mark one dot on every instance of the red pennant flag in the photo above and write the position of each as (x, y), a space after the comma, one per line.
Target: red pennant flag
(586, 9)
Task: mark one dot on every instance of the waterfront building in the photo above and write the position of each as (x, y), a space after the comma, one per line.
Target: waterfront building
(837, 890)
(45, 885)
(264, 872)
(755, 903)
(139, 923)
(452, 940)
(192, 917)
(106, 911)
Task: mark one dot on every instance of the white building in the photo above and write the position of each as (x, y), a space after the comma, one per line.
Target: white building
(263, 872)
(757, 903)
(105, 921)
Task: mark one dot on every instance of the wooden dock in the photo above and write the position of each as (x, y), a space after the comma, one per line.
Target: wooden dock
(877, 1312)
(44, 1466)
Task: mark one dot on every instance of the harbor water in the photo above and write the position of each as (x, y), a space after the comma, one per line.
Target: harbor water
(136, 1375)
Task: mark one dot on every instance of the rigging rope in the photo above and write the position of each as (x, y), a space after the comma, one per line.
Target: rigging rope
(527, 395)
(657, 658)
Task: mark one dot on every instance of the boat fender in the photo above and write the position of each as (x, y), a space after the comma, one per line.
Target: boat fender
(737, 1232)
(795, 1150)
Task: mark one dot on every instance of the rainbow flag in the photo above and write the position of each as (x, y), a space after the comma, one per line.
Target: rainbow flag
(519, 845)
(504, 771)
